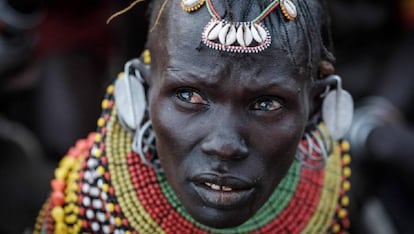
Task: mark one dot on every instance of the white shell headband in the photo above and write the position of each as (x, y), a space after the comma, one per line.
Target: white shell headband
(238, 37)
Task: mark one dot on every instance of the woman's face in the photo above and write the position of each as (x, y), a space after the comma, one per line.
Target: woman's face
(227, 127)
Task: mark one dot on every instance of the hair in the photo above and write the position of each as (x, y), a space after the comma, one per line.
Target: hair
(313, 24)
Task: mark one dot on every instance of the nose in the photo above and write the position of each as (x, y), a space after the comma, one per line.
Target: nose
(226, 144)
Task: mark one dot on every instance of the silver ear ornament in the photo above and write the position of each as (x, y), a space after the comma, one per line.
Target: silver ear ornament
(144, 145)
(337, 110)
(131, 105)
(315, 155)
(130, 96)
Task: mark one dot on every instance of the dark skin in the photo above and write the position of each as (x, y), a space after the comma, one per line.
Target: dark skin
(227, 127)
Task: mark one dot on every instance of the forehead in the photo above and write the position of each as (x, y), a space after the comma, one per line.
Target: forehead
(176, 43)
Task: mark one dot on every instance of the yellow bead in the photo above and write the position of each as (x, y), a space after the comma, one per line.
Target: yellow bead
(336, 228)
(345, 146)
(98, 137)
(60, 173)
(68, 208)
(100, 170)
(118, 221)
(347, 172)
(110, 89)
(60, 228)
(71, 219)
(121, 75)
(128, 232)
(346, 159)
(105, 104)
(110, 207)
(147, 57)
(105, 188)
(69, 162)
(58, 213)
(101, 122)
(346, 185)
(342, 213)
(345, 201)
(97, 153)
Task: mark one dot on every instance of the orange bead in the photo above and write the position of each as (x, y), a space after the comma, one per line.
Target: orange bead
(58, 185)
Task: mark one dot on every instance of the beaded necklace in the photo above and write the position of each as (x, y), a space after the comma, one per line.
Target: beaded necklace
(104, 187)
(242, 37)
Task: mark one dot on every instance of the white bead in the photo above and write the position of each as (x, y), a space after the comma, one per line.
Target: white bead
(97, 204)
(104, 196)
(92, 163)
(101, 217)
(100, 182)
(94, 191)
(112, 220)
(85, 188)
(95, 226)
(106, 229)
(86, 201)
(90, 214)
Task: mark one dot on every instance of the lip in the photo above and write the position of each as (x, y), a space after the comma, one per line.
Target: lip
(222, 191)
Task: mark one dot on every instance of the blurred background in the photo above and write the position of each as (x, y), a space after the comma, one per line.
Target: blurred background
(58, 56)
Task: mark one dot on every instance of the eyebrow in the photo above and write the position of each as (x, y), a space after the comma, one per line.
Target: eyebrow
(183, 76)
(282, 82)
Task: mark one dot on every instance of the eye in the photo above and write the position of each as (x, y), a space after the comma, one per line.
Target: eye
(267, 104)
(190, 96)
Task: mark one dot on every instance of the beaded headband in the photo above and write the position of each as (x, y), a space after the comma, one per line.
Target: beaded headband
(238, 37)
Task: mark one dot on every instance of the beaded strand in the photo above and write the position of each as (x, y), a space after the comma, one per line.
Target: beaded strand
(104, 187)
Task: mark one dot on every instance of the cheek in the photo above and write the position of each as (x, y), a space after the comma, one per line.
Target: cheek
(277, 145)
(175, 137)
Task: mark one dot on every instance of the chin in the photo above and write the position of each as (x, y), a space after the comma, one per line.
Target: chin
(220, 219)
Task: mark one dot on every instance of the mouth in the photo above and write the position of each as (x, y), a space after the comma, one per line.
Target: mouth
(222, 192)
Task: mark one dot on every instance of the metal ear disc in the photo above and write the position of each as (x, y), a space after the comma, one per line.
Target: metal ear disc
(337, 110)
(130, 96)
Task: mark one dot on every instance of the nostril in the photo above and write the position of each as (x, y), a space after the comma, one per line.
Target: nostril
(225, 147)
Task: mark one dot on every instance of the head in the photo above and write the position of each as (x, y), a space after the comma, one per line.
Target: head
(228, 125)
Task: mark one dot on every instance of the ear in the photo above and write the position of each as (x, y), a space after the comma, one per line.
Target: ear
(319, 87)
(145, 66)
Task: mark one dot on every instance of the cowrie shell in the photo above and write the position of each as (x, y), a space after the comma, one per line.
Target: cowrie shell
(191, 5)
(213, 34)
(244, 35)
(258, 32)
(255, 34)
(231, 35)
(223, 33)
(289, 9)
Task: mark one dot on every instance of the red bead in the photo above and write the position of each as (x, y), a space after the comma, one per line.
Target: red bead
(58, 198)
(82, 211)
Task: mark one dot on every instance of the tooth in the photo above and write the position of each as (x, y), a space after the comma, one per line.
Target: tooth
(225, 188)
(208, 184)
(215, 187)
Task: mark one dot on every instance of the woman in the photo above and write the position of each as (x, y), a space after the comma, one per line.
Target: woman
(231, 94)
